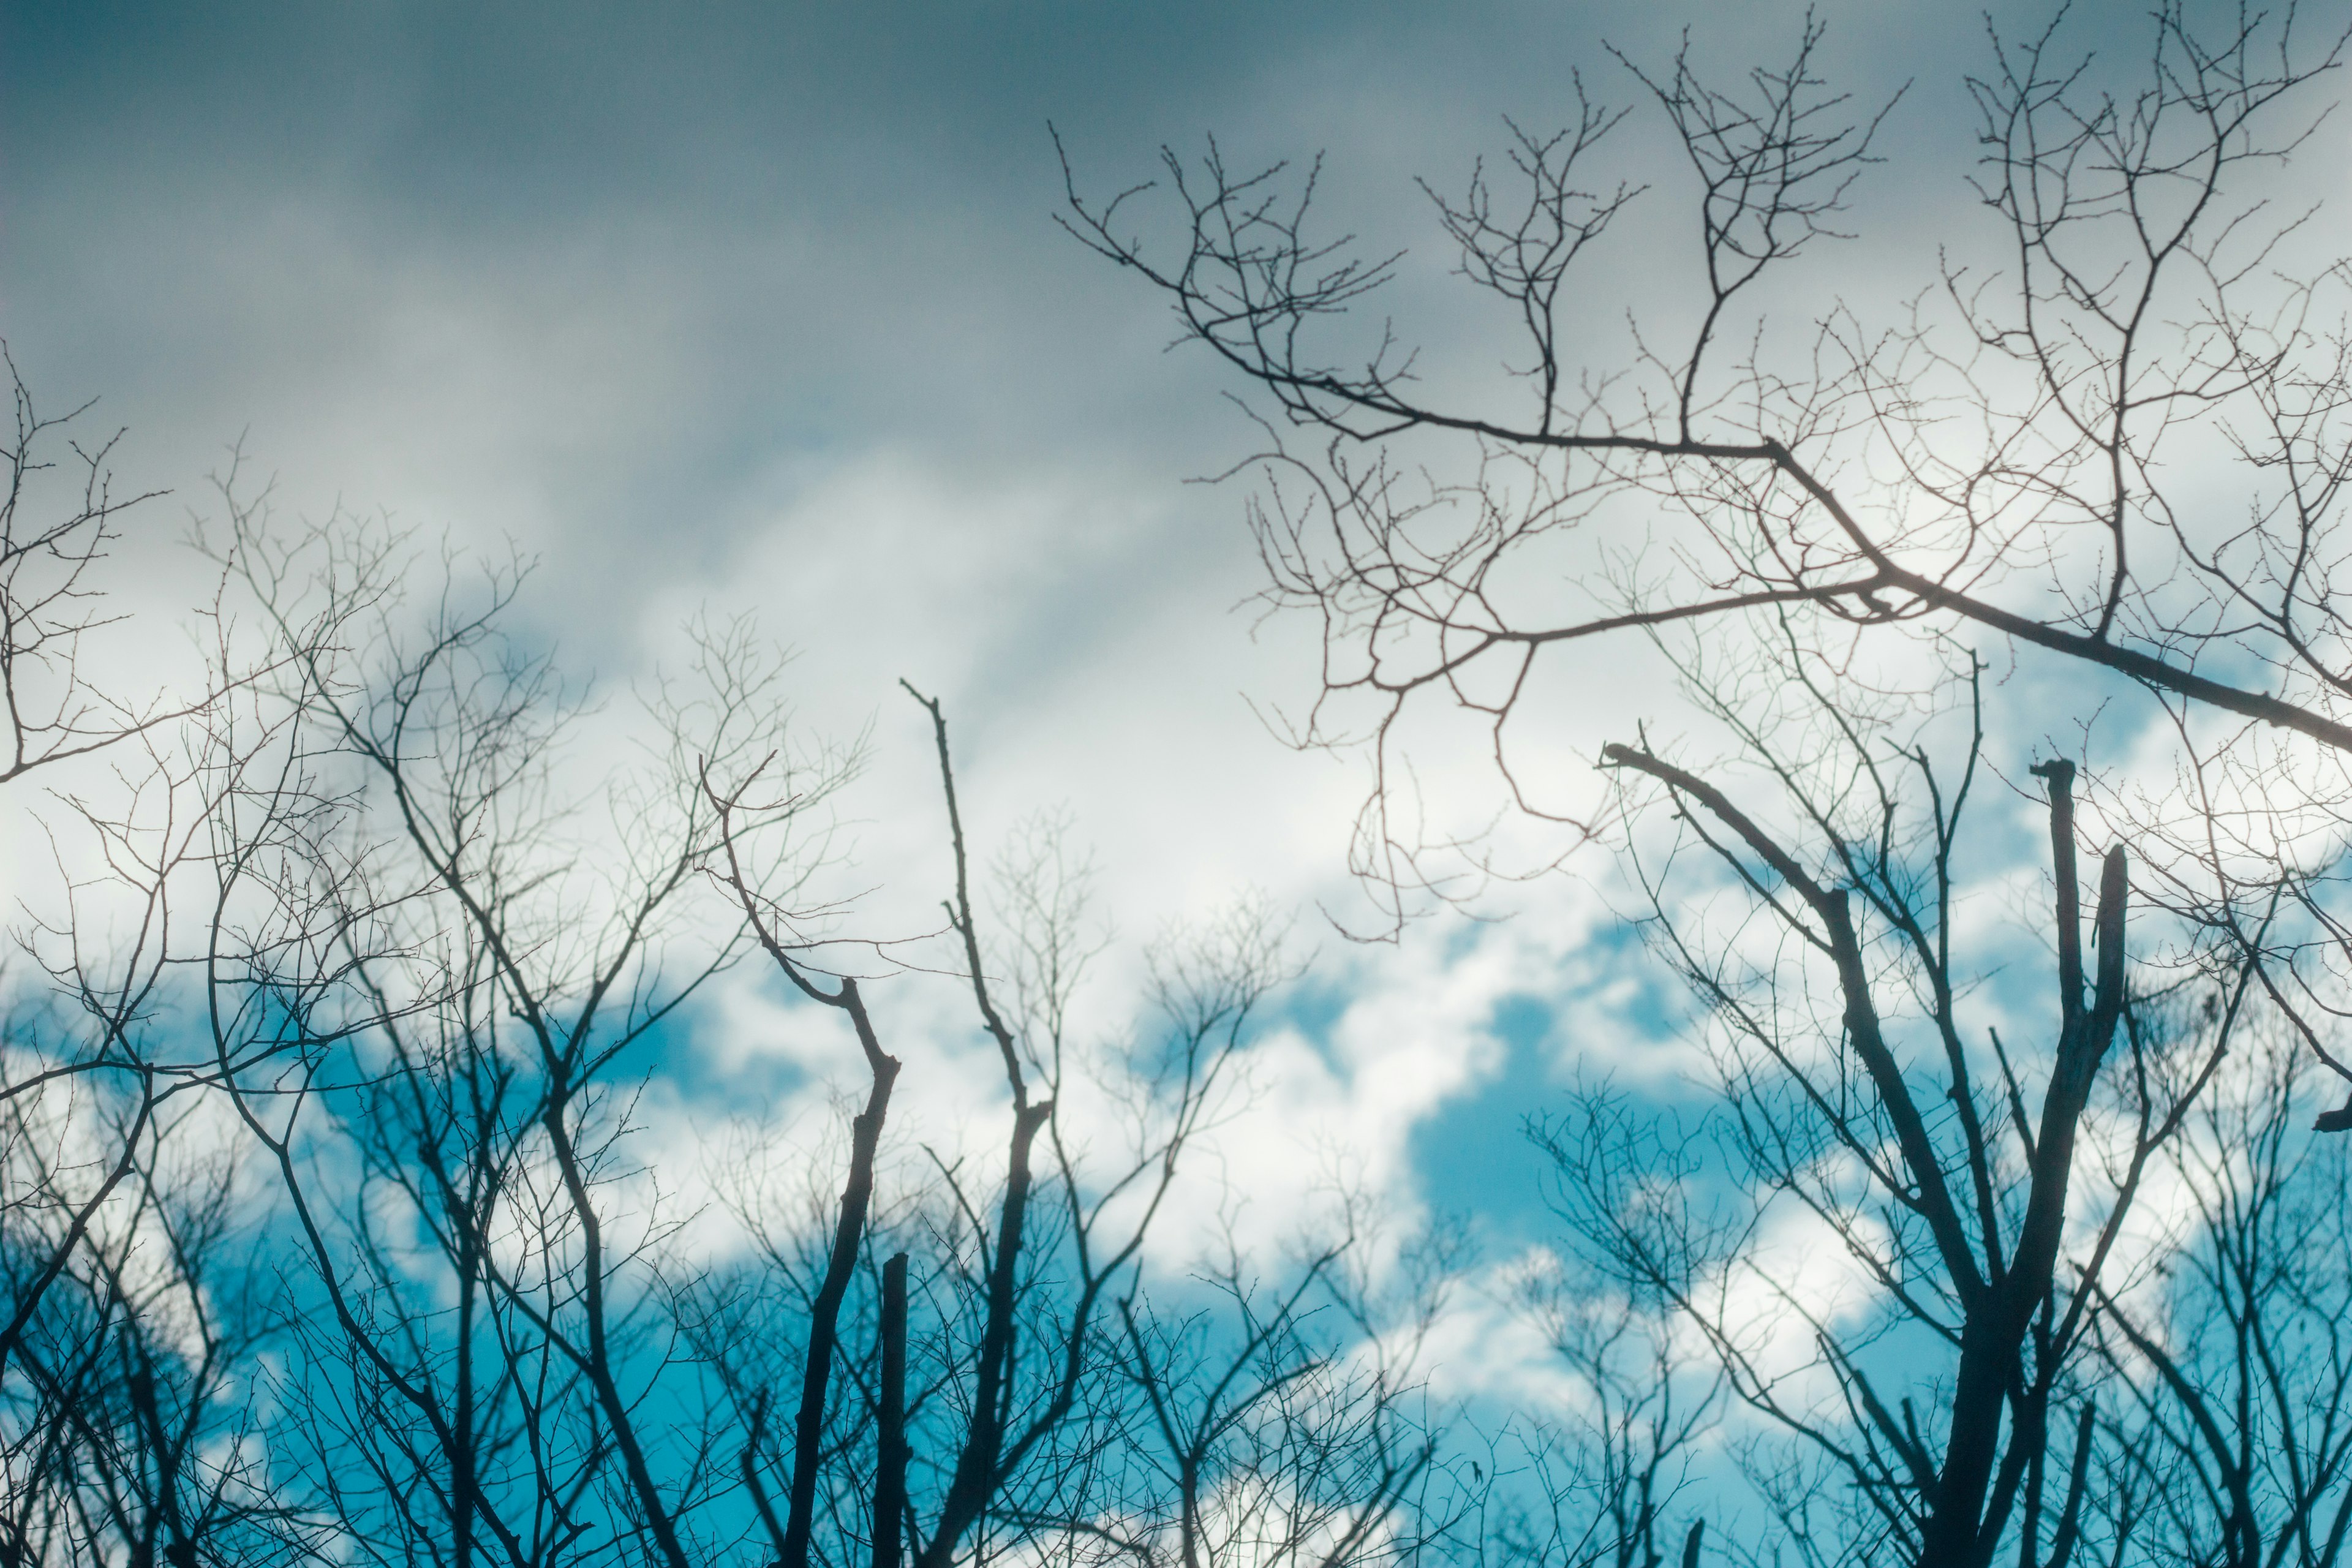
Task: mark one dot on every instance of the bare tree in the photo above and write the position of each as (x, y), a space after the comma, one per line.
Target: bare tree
(130, 1336)
(773, 924)
(1009, 1397)
(1611, 1480)
(1284, 1419)
(1978, 1193)
(492, 1331)
(121, 1330)
(2232, 1411)
(2107, 426)
(135, 1437)
(432, 1004)
(58, 525)
(2026, 449)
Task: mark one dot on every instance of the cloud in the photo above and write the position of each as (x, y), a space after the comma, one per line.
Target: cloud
(762, 309)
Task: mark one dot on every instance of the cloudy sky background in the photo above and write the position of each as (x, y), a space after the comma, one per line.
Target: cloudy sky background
(764, 308)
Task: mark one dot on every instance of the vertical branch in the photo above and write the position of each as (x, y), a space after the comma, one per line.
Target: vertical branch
(960, 911)
(891, 1453)
(2059, 774)
(1991, 1373)
(750, 1464)
(825, 1314)
(978, 1463)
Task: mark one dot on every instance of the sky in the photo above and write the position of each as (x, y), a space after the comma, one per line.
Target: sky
(764, 308)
